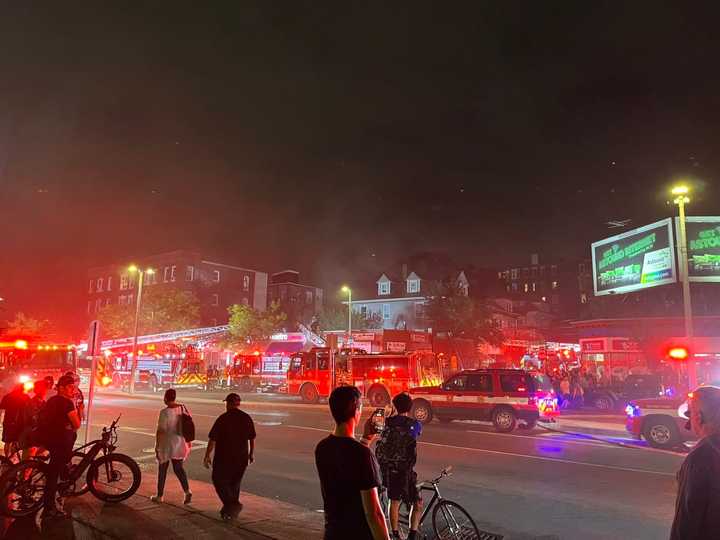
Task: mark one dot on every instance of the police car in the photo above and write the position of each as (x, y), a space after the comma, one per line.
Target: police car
(500, 396)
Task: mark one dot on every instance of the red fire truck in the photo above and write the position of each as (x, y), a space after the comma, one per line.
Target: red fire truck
(249, 372)
(28, 360)
(378, 376)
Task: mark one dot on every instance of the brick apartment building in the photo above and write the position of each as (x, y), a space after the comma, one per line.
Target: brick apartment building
(216, 285)
(299, 302)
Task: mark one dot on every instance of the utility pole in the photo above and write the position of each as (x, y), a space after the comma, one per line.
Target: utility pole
(141, 275)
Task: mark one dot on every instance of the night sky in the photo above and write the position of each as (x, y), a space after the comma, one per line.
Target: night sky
(337, 138)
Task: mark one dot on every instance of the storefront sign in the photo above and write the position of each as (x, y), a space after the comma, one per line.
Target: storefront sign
(635, 260)
(395, 346)
(703, 239)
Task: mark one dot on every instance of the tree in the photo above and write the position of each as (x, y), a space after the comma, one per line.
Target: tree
(336, 318)
(22, 325)
(451, 311)
(160, 311)
(249, 325)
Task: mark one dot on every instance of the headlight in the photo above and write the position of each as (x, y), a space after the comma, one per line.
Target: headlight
(24, 379)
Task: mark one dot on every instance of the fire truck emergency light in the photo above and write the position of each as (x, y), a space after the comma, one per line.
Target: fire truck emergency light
(678, 353)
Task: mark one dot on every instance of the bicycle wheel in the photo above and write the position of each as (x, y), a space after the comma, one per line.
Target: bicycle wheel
(113, 478)
(450, 520)
(22, 488)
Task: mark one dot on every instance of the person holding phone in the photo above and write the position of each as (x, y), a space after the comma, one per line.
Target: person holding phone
(396, 452)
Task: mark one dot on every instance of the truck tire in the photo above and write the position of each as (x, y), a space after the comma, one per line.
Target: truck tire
(504, 419)
(422, 411)
(309, 393)
(603, 403)
(661, 432)
(378, 397)
(246, 384)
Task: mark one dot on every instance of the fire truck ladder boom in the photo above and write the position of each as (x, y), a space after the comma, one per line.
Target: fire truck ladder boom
(311, 336)
(166, 336)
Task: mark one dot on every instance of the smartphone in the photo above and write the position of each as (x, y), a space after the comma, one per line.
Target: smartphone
(378, 419)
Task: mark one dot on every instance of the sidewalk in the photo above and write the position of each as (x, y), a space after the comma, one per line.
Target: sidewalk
(139, 518)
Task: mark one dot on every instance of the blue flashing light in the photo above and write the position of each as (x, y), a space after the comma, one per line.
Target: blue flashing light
(632, 410)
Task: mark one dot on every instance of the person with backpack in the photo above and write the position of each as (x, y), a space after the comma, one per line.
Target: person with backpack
(396, 451)
(13, 403)
(171, 446)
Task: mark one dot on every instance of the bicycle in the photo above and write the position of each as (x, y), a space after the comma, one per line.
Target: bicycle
(111, 477)
(449, 519)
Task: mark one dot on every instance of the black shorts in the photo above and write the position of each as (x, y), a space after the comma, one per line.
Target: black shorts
(401, 486)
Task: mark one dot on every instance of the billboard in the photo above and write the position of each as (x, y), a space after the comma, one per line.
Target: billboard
(703, 238)
(635, 260)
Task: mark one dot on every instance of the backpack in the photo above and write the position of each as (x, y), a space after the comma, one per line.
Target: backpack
(187, 425)
(397, 447)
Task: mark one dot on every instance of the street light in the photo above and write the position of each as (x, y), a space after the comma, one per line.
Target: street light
(348, 290)
(141, 274)
(681, 199)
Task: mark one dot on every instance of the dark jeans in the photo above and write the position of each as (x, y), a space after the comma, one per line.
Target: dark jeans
(60, 450)
(227, 485)
(179, 472)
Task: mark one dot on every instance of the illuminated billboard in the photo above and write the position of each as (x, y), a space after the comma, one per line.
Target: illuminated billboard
(635, 260)
(703, 238)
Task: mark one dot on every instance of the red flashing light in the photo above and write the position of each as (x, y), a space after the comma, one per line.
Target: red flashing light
(678, 353)
(21, 344)
(256, 353)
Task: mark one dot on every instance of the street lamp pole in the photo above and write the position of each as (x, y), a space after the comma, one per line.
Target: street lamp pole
(681, 200)
(141, 276)
(348, 290)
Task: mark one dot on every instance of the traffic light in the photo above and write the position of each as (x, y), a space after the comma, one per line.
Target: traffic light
(678, 353)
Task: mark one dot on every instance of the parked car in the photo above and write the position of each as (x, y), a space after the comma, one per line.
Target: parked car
(500, 396)
(660, 421)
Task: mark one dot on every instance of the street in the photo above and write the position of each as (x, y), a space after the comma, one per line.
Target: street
(534, 483)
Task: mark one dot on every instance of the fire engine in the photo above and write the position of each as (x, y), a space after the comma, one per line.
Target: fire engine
(378, 376)
(171, 367)
(28, 360)
(250, 372)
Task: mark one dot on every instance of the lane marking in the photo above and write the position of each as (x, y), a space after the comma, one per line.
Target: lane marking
(542, 458)
(556, 438)
(526, 456)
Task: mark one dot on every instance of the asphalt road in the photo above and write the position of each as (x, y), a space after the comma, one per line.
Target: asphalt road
(527, 483)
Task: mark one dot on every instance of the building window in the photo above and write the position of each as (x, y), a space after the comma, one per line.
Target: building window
(166, 274)
(173, 269)
(534, 287)
(363, 312)
(384, 288)
(121, 299)
(526, 287)
(98, 304)
(150, 278)
(131, 281)
(108, 301)
(123, 282)
(308, 297)
(109, 283)
(130, 299)
(215, 299)
(189, 273)
(246, 283)
(413, 286)
(419, 310)
(92, 286)
(216, 276)
(100, 284)
(386, 311)
(514, 273)
(555, 285)
(89, 306)
(246, 301)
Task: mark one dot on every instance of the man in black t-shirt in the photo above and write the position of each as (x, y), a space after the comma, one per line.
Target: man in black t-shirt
(58, 422)
(349, 474)
(13, 404)
(232, 439)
